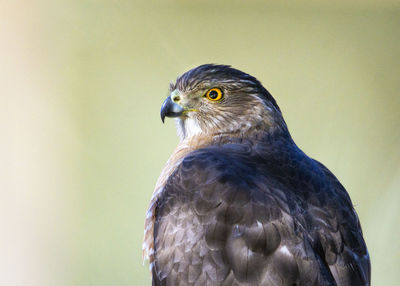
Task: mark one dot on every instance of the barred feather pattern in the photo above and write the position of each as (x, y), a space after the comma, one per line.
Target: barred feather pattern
(256, 211)
(183, 148)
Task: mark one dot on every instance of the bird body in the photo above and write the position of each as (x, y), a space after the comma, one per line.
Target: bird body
(238, 203)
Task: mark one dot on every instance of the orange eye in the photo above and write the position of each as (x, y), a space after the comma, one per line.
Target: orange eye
(214, 94)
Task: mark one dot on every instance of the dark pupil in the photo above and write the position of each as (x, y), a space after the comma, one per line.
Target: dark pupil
(213, 94)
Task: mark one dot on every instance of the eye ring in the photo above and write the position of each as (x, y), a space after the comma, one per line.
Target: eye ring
(214, 94)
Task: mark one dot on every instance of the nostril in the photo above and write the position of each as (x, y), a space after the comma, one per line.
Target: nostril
(176, 98)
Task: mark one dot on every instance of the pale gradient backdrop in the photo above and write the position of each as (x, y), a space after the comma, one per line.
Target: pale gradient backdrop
(82, 144)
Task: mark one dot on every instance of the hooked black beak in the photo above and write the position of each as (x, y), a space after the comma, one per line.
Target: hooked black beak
(170, 109)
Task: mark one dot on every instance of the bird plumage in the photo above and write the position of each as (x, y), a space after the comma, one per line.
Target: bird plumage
(247, 206)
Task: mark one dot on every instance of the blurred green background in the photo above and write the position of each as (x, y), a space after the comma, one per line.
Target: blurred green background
(82, 144)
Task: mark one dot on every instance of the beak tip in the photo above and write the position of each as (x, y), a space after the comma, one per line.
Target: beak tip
(170, 109)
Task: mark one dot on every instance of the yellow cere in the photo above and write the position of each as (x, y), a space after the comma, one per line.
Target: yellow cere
(188, 110)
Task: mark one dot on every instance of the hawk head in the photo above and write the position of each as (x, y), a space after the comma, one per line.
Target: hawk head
(218, 99)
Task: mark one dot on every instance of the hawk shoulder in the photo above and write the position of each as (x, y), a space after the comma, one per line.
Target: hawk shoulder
(258, 213)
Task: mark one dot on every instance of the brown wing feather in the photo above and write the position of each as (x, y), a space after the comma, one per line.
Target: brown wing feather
(256, 213)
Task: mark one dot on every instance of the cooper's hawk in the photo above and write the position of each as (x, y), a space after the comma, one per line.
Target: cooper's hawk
(238, 203)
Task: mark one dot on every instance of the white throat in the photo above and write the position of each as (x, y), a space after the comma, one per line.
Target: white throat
(187, 128)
